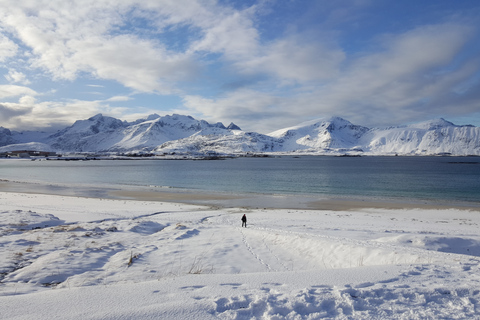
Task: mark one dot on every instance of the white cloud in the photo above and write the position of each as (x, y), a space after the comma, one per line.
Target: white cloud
(119, 98)
(27, 114)
(67, 38)
(394, 85)
(230, 33)
(27, 100)
(409, 79)
(8, 48)
(8, 91)
(252, 110)
(417, 51)
(135, 63)
(17, 77)
(292, 59)
(47, 27)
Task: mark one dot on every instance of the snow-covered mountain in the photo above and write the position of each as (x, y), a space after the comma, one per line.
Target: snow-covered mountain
(338, 136)
(27, 140)
(97, 133)
(319, 135)
(106, 134)
(234, 142)
(152, 133)
(323, 134)
(184, 134)
(430, 137)
(6, 137)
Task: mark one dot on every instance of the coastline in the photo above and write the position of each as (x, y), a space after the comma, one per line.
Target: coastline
(230, 200)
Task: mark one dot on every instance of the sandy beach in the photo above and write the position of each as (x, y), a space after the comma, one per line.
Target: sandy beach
(231, 200)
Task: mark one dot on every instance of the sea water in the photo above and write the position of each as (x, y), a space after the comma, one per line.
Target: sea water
(429, 178)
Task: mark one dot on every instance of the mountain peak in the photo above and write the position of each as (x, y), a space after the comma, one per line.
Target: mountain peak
(96, 117)
(152, 116)
(233, 126)
(432, 124)
(329, 124)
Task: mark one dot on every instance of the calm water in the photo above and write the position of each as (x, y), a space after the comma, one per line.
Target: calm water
(430, 178)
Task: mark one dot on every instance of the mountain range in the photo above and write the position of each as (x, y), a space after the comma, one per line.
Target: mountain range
(181, 134)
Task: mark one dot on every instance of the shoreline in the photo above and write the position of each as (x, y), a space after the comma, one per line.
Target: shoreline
(230, 200)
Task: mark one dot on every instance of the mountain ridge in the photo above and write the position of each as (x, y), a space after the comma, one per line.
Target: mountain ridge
(185, 134)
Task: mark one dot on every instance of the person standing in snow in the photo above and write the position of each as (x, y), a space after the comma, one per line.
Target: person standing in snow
(244, 221)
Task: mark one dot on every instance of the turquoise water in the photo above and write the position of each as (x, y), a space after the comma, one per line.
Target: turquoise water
(429, 178)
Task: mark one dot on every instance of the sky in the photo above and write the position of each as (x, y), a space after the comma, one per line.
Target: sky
(264, 65)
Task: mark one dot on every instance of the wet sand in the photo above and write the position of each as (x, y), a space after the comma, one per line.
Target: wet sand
(269, 201)
(230, 200)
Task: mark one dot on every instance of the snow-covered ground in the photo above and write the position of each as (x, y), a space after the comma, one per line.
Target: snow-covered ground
(82, 258)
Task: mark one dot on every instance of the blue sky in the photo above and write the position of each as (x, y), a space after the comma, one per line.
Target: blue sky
(263, 65)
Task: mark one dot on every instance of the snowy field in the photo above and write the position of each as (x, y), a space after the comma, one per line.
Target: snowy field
(83, 258)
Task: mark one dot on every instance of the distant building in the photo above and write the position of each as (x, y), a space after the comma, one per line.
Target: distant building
(29, 153)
